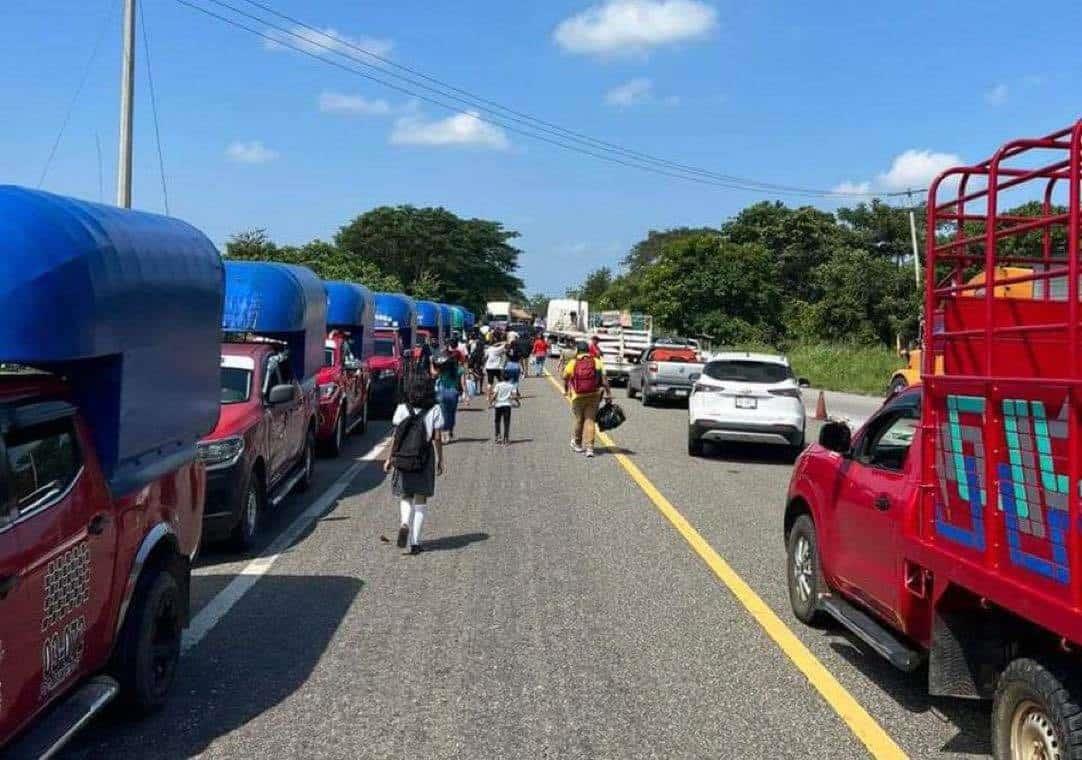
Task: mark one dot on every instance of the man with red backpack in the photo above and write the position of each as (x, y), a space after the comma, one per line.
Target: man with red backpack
(584, 383)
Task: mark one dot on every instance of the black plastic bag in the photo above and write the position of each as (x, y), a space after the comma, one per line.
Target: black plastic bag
(609, 416)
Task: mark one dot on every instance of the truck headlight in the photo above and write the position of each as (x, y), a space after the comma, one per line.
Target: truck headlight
(226, 450)
(328, 390)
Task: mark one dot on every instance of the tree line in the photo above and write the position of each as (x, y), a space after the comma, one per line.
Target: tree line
(428, 253)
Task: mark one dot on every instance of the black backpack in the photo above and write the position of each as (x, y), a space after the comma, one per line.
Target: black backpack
(609, 416)
(410, 450)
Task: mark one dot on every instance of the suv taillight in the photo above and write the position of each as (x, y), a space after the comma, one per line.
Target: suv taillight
(701, 388)
(790, 392)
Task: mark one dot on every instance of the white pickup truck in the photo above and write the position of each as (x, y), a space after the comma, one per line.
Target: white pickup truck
(664, 372)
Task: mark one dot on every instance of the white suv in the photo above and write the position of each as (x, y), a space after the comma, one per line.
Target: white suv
(746, 397)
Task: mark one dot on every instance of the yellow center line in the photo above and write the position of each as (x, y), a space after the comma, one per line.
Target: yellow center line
(878, 741)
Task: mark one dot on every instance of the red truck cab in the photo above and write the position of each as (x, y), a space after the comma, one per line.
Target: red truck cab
(343, 393)
(101, 494)
(386, 367)
(949, 527)
(264, 444)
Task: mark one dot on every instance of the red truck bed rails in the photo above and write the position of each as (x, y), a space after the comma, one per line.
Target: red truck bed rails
(999, 510)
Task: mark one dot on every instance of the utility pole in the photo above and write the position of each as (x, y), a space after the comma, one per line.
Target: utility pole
(913, 237)
(127, 92)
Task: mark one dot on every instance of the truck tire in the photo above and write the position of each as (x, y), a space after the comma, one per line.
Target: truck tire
(647, 400)
(338, 440)
(803, 572)
(251, 514)
(695, 444)
(309, 461)
(630, 390)
(149, 646)
(362, 428)
(1037, 711)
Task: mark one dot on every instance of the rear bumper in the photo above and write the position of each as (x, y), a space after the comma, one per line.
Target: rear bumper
(668, 391)
(789, 433)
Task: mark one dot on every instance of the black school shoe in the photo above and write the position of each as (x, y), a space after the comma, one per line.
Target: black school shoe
(403, 535)
(415, 550)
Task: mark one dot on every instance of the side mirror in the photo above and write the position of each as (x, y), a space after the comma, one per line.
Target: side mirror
(280, 394)
(836, 436)
(352, 366)
(803, 382)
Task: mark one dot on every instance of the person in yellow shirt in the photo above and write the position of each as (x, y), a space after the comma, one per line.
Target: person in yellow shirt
(585, 384)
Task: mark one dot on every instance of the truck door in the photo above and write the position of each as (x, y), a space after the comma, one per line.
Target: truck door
(66, 530)
(278, 425)
(20, 642)
(876, 486)
(351, 381)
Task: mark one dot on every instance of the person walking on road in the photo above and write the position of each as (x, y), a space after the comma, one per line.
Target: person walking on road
(513, 362)
(502, 397)
(595, 347)
(476, 363)
(540, 353)
(585, 383)
(416, 457)
(450, 385)
(495, 355)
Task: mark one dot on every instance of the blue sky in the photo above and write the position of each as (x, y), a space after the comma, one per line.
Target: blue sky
(841, 94)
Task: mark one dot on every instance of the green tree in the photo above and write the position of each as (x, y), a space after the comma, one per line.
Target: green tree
(646, 251)
(593, 287)
(326, 260)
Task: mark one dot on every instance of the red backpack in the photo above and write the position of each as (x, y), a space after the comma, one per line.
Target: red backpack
(584, 377)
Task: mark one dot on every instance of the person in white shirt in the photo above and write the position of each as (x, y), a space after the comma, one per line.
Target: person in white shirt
(416, 485)
(502, 397)
(495, 357)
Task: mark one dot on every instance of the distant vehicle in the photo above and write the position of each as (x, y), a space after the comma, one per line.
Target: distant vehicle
(101, 496)
(746, 397)
(567, 315)
(622, 346)
(264, 444)
(665, 372)
(498, 314)
(387, 368)
(343, 394)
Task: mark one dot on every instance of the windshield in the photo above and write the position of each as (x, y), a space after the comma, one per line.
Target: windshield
(328, 357)
(236, 385)
(748, 371)
(384, 348)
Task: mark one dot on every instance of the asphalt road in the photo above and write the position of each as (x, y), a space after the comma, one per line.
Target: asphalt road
(557, 614)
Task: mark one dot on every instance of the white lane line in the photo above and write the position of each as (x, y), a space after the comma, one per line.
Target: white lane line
(219, 606)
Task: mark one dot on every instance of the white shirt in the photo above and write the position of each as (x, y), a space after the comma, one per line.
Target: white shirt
(494, 357)
(502, 393)
(433, 418)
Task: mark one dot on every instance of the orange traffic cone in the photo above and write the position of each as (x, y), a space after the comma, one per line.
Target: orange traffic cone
(821, 406)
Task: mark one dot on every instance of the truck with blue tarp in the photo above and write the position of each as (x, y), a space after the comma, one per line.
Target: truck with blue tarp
(447, 322)
(109, 379)
(344, 378)
(396, 333)
(275, 325)
(429, 326)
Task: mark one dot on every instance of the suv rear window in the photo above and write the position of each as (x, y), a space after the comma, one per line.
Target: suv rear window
(748, 371)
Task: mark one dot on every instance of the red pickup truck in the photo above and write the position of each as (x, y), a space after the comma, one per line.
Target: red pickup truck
(948, 529)
(343, 393)
(264, 444)
(101, 496)
(387, 367)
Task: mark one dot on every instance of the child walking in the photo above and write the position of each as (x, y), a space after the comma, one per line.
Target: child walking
(416, 457)
(501, 397)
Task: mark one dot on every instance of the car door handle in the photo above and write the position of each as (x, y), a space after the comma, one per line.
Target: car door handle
(7, 584)
(97, 524)
(882, 503)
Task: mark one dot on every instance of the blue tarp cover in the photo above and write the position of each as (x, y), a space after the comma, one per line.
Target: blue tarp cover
(281, 301)
(352, 307)
(469, 319)
(429, 317)
(447, 319)
(127, 306)
(397, 311)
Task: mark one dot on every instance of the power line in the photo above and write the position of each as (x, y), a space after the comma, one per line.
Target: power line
(480, 103)
(692, 174)
(154, 110)
(78, 91)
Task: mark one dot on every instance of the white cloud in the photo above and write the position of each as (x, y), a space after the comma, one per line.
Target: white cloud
(637, 90)
(253, 152)
(461, 129)
(997, 96)
(325, 41)
(852, 188)
(916, 169)
(337, 102)
(634, 26)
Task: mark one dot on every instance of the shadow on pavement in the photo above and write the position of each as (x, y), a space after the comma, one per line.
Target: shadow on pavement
(450, 543)
(910, 692)
(465, 440)
(255, 660)
(515, 441)
(602, 450)
(749, 453)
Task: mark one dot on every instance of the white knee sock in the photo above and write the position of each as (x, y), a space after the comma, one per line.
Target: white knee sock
(418, 520)
(405, 508)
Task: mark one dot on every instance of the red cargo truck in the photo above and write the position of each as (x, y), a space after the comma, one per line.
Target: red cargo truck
(947, 528)
(111, 322)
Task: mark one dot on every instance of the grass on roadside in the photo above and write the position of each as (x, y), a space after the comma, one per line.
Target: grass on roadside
(842, 367)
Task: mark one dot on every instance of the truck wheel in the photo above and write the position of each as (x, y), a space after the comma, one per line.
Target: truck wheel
(309, 461)
(362, 428)
(897, 385)
(803, 571)
(334, 446)
(630, 390)
(646, 399)
(695, 444)
(149, 647)
(1036, 712)
(251, 515)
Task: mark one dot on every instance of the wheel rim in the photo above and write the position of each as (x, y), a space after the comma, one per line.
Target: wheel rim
(251, 511)
(1032, 735)
(802, 568)
(165, 646)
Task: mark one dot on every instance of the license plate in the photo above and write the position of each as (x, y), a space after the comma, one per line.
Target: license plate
(745, 403)
(681, 392)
